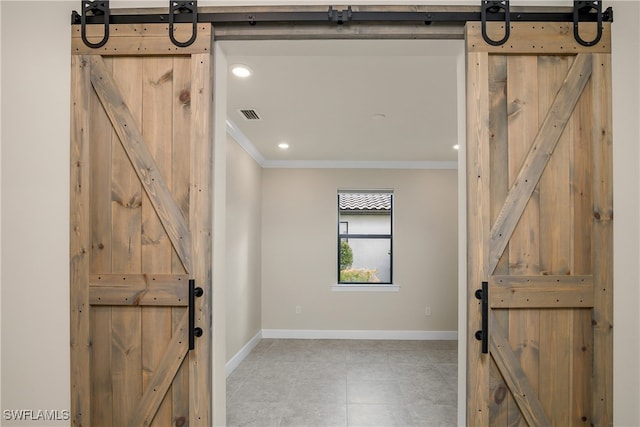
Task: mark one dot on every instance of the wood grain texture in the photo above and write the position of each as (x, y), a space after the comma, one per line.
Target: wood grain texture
(135, 281)
(499, 144)
(126, 322)
(602, 243)
(157, 251)
(581, 183)
(158, 385)
(181, 190)
(541, 292)
(100, 180)
(517, 381)
(555, 254)
(141, 290)
(79, 243)
(141, 39)
(181, 147)
(201, 222)
(478, 216)
(538, 156)
(582, 368)
(126, 189)
(101, 371)
(524, 252)
(555, 197)
(144, 165)
(539, 38)
(582, 212)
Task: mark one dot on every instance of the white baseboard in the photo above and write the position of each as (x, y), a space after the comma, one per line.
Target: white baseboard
(233, 363)
(359, 335)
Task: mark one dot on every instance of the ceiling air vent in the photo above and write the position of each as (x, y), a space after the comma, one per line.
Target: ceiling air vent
(250, 114)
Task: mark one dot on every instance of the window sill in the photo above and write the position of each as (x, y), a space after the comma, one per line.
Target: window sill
(364, 288)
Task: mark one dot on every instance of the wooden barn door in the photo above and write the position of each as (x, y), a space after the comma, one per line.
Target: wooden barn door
(141, 159)
(540, 227)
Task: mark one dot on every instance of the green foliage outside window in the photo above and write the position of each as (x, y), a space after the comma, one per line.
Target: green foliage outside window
(359, 275)
(346, 255)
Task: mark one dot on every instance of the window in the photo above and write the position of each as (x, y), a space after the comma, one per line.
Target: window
(365, 237)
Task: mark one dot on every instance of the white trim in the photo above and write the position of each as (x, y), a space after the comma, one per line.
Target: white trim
(364, 288)
(244, 141)
(250, 148)
(358, 335)
(358, 164)
(235, 361)
(462, 237)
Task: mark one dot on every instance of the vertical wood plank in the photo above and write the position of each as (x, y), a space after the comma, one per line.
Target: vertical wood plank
(126, 190)
(126, 233)
(581, 183)
(555, 198)
(602, 242)
(101, 134)
(582, 224)
(126, 356)
(101, 375)
(499, 181)
(181, 189)
(555, 244)
(522, 93)
(478, 226)
(200, 220)
(181, 155)
(582, 365)
(556, 340)
(523, 113)
(157, 77)
(79, 243)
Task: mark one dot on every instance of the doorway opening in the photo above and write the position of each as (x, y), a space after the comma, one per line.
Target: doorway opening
(356, 114)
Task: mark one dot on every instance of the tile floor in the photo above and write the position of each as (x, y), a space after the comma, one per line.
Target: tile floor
(345, 383)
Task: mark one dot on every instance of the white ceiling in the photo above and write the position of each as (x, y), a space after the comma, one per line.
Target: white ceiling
(325, 97)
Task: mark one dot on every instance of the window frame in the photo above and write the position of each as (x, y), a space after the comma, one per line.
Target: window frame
(347, 236)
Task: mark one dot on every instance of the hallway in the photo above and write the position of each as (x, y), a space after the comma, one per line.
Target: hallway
(345, 383)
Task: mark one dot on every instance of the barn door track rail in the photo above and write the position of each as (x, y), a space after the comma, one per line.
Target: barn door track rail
(97, 12)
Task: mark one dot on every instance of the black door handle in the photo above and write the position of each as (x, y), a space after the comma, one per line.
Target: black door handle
(483, 334)
(193, 330)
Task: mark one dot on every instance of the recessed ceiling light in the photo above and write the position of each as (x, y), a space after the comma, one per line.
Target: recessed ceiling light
(283, 146)
(240, 70)
(456, 147)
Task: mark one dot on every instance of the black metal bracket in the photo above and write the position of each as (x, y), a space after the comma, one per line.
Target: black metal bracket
(340, 16)
(183, 7)
(483, 334)
(581, 8)
(94, 8)
(193, 330)
(494, 7)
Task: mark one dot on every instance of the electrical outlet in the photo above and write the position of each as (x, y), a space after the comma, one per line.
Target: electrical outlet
(298, 309)
(427, 311)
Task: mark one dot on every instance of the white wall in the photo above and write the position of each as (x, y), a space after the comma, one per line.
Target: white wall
(35, 196)
(35, 205)
(626, 175)
(299, 244)
(243, 266)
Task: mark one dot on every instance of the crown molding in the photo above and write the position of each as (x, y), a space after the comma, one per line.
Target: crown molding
(245, 142)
